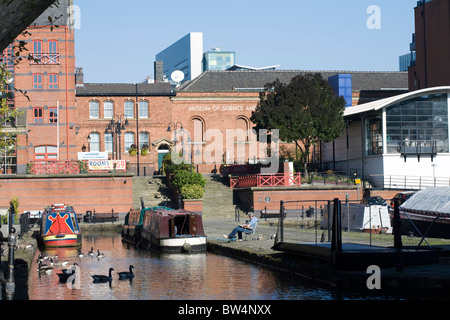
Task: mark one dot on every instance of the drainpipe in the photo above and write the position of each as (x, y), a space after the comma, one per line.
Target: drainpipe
(67, 93)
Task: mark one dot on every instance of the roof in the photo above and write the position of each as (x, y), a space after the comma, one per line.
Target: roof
(383, 103)
(433, 200)
(228, 81)
(124, 89)
(246, 68)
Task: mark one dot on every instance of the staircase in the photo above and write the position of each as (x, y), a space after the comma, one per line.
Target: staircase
(218, 198)
(153, 190)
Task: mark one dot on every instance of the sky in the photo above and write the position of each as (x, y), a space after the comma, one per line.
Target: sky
(117, 41)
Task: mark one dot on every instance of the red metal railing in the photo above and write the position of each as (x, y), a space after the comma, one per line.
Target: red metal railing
(55, 167)
(266, 180)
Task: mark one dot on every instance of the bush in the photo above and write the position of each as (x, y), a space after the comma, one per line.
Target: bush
(192, 191)
(183, 178)
(170, 167)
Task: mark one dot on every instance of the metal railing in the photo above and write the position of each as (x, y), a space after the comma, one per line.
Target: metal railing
(398, 182)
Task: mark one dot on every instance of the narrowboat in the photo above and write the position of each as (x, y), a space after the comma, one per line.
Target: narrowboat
(177, 231)
(59, 227)
(132, 227)
(427, 213)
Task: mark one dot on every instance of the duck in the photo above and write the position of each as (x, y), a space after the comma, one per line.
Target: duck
(91, 252)
(100, 255)
(102, 278)
(126, 274)
(44, 268)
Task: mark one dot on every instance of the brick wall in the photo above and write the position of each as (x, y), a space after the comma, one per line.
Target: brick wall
(99, 193)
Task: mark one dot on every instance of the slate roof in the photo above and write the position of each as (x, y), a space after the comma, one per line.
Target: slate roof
(226, 81)
(124, 89)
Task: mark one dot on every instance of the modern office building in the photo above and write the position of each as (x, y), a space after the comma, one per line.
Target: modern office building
(185, 55)
(401, 142)
(217, 60)
(432, 45)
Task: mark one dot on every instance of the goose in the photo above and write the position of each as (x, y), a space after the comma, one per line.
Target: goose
(58, 263)
(69, 271)
(102, 278)
(100, 255)
(80, 255)
(126, 274)
(65, 275)
(91, 253)
(44, 268)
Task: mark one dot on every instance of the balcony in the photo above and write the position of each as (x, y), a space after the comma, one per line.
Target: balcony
(45, 58)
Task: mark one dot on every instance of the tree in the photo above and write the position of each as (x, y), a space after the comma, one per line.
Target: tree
(7, 115)
(304, 111)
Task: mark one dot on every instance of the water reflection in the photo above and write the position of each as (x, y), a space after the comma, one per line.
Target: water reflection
(163, 276)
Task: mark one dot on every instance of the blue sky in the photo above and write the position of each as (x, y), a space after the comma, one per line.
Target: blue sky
(118, 43)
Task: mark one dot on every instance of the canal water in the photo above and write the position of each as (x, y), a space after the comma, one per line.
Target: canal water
(161, 276)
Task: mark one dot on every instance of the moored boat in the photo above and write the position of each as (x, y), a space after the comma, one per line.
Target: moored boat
(427, 213)
(132, 227)
(173, 231)
(59, 227)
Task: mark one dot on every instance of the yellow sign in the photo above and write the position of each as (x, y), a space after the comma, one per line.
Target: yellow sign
(357, 181)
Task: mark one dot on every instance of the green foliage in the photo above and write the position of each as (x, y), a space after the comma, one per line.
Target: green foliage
(171, 167)
(183, 177)
(132, 151)
(192, 191)
(304, 111)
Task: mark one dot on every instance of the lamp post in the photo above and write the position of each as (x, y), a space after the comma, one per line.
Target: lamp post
(115, 126)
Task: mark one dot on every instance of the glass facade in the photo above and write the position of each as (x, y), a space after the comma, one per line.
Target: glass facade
(218, 60)
(418, 126)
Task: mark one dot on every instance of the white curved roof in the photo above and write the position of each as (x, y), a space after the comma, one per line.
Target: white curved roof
(383, 103)
(433, 200)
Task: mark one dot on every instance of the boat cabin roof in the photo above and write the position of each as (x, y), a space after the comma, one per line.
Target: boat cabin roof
(432, 200)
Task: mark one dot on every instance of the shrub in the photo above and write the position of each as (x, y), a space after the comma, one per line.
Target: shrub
(192, 191)
(183, 177)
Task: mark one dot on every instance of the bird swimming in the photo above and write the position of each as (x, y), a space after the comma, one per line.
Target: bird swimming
(44, 268)
(91, 252)
(100, 255)
(102, 278)
(126, 274)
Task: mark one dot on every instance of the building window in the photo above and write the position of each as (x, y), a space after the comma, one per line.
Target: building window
(418, 124)
(199, 130)
(109, 142)
(129, 140)
(46, 153)
(37, 49)
(37, 81)
(53, 115)
(143, 109)
(53, 52)
(143, 139)
(93, 109)
(38, 115)
(94, 143)
(53, 81)
(108, 109)
(374, 144)
(129, 109)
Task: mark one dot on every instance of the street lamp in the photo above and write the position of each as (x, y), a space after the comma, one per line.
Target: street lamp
(115, 126)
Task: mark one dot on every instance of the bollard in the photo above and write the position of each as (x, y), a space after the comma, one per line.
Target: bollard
(10, 285)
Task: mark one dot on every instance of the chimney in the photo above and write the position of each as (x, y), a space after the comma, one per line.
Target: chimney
(159, 71)
(79, 77)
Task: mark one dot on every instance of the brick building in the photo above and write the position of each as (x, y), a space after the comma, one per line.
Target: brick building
(431, 44)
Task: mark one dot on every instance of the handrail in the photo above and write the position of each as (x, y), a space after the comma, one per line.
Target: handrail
(266, 180)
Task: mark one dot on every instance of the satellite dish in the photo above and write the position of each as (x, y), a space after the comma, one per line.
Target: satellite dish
(177, 76)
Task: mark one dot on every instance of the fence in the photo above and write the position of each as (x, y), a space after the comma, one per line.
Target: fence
(265, 180)
(397, 182)
(311, 221)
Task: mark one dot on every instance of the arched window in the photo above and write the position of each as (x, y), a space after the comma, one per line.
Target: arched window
(108, 109)
(143, 109)
(199, 130)
(143, 139)
(129, 109)
(242, 128)
(93, 109)
(129, 140)
(94, 143)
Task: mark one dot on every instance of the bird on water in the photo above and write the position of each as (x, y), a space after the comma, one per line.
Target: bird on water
(126, 274)
(103, 278)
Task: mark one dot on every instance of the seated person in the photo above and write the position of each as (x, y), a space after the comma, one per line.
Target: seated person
(243, 228)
